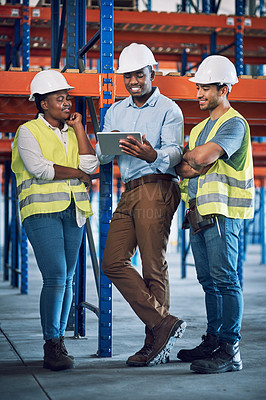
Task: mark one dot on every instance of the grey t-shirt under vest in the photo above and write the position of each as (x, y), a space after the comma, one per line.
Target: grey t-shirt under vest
(229, 136)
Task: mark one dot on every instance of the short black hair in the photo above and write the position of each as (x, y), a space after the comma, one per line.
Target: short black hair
(38, 99)
(220, 86)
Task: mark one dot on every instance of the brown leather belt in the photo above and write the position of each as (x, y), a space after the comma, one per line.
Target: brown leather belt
(152, 178)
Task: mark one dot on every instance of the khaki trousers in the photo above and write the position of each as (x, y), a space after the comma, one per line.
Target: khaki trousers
(143, 218)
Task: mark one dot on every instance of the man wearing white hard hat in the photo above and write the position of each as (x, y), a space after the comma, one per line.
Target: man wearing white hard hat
(145, 210)
(219, 191)
(52, 159)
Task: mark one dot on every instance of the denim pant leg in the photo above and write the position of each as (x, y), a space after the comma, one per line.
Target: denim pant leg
(72, 241)
(56, 240)
(221, 252)
(213, 299)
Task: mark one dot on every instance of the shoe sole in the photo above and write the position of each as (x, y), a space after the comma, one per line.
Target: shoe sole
(58, 368)
(136, 364)
(163, 355)
(144, 364)
(229, 368)
(191, 359)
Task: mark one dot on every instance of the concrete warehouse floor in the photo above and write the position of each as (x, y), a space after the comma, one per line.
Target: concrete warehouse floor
(23, 378)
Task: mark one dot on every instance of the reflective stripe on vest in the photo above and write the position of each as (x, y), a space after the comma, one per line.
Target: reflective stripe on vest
(232, 182)
(43, 198)
(224, 190)
(51, 197)
(38, 196)
(221, 198)
(33, 181)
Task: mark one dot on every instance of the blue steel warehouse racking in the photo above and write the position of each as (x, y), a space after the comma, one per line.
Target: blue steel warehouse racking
(74, 12)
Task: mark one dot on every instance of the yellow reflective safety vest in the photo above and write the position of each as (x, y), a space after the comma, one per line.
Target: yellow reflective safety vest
(40, 196)
(223, 189)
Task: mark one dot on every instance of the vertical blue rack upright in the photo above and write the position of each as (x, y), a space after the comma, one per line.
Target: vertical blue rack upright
(106, 179)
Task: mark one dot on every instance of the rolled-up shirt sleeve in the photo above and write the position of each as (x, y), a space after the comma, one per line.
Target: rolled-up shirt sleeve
(172, 141)
(32, 157)
(88, 163)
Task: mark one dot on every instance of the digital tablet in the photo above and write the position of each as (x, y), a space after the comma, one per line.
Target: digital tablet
(109, 141)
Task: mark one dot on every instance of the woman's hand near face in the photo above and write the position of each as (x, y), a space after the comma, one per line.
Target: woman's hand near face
(74, 120)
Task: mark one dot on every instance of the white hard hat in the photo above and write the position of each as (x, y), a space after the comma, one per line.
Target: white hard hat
(134, 57)
(46, 82)
(216, 69)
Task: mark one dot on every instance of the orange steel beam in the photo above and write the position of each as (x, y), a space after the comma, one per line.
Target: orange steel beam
(175, 87)
(164, 18)
(157, 39)
(42, 35)
(167, 33)
(259, 154)
(43, 15)
(18, 83)
(260, 176)
(41, 57)
(178, 87)
(258, 150)
(185, 19)
(248, 97)
(162, 22)
(5, 149)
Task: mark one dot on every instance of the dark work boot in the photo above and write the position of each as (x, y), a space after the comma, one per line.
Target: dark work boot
(139, 359)
(64, 349)
(165, 336)
(150, 339)
(149, 336)
(225, 358)
(208, 345)
(54, 358)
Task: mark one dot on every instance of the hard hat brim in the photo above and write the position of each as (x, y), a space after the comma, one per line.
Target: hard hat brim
(133, 68)
(32, 98)
(195, 80)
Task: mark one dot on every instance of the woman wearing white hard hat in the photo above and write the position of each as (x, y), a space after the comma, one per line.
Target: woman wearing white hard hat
(52, 159)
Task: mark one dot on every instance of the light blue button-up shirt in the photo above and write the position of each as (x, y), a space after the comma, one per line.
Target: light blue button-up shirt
(161, 120)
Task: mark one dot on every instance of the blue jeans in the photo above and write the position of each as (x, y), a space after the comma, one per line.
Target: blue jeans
(215, 252)
(55, 239)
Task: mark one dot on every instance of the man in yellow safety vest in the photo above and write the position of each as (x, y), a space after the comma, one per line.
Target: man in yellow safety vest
(218, 187)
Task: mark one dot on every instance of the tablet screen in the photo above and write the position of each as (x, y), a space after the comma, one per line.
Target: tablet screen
(109, 141)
